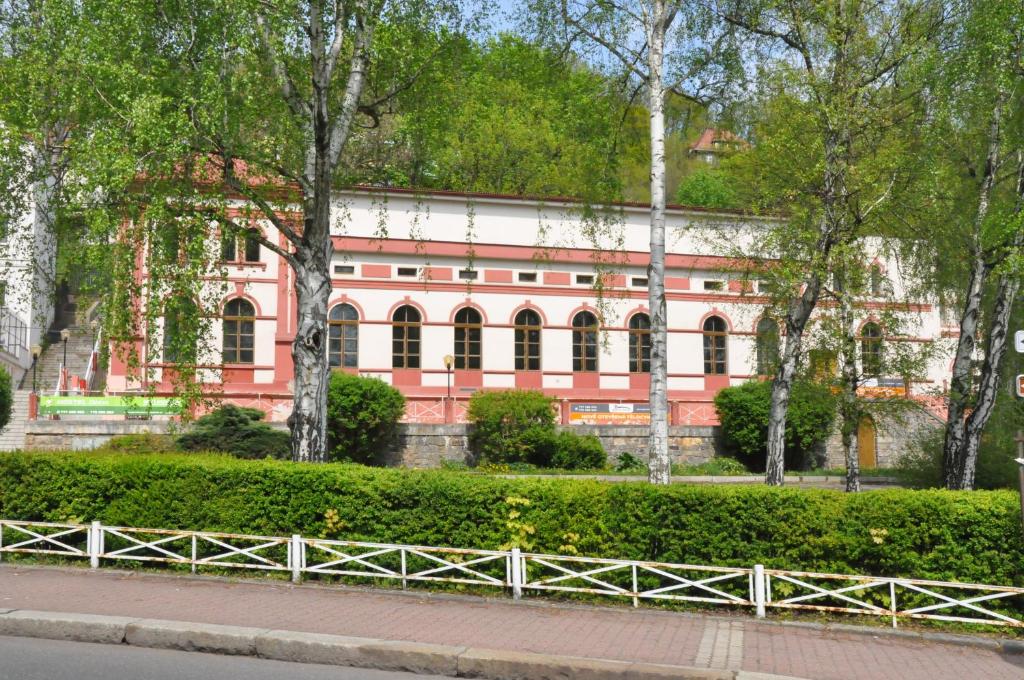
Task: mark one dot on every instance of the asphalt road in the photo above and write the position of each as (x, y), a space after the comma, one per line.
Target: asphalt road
(32, 659)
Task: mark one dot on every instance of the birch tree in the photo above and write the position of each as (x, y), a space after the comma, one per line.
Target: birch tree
(979, 95)
(839, 66)
(261, 99)
(668, 47)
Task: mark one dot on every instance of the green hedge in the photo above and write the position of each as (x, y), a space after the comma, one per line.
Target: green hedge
(963, 536)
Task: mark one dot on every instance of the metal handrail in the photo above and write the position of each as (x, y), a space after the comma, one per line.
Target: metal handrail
(90, 370)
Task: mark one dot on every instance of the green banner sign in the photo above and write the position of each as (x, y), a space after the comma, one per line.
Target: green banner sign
(108, 406)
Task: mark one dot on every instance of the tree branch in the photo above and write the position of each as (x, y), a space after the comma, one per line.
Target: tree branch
(364, 28)
(299, 107)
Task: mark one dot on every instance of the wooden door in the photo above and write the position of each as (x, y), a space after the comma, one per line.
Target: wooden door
(866, 443)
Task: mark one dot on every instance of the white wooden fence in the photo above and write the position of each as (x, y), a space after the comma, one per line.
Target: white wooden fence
(516, 571)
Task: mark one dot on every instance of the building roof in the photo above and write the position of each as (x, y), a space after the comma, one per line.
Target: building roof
(551, 200)
(714, 140)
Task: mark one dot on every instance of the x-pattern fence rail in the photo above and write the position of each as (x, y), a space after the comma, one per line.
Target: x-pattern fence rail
(517, 571)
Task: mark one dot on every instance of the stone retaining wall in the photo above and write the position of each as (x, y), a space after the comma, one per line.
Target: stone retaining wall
(82, 435)
(428, 445)
(425, 446)
(418, 445)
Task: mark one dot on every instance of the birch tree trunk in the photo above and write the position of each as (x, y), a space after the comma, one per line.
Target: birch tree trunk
(801, 308)
(659, 464)
(849, 412)
(308, 420)
(995, 350)
(954, 450)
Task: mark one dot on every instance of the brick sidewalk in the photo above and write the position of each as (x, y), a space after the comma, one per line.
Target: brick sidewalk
(611, 633)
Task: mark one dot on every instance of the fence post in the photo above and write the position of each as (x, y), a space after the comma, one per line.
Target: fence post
(93, 540)
(636, 602)
(296, 553)
(517, 574)
(195, 552)
(892, 601)
(759, 589)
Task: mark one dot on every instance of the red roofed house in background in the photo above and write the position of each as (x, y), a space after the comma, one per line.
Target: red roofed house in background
(713, 143)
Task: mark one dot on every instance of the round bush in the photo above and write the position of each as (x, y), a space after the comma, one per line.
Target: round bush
(362, 416)
(238, 431)
(513, 426)
(578, 452)
(743, 412)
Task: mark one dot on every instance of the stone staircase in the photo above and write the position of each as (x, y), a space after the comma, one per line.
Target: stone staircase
(80, 346)
(12, 438)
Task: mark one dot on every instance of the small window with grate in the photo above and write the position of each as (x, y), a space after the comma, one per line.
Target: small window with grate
(714, 285)
(468, 274)
(527, 277)
(408, 271)
(639, 282)
(585, 279)
(344, 269)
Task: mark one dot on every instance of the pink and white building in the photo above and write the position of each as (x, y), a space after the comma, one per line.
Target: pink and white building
(506, 287)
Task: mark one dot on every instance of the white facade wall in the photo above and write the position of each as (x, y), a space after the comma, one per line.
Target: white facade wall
(500, 238)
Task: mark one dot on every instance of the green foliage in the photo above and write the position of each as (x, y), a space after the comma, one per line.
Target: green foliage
(362, 416)
(717, 466)
(934, 534)
(578, 452)
(145, 442)
(708, 188)
(513, 426)
(238, 431)
(518, 426)
(6, 398)
(743, 411)
(627, 462)
(505, 115)
(921, 466)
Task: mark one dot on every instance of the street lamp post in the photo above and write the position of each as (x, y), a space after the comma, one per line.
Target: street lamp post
(448, 410)
(65, 335)
(448, 361)
(36, 351)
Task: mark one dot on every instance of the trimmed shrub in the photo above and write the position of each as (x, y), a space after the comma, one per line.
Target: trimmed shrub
(6, 398)
(743, 412)
(238, 431)
(145, 442)
(362, 416)
(513, 426)
(578, 452)
(934, 534)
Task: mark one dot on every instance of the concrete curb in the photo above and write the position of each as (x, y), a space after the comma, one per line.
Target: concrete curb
(462, 662)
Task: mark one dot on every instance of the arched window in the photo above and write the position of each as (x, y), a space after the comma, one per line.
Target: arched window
(405, 338)
(640, 343)
(239, 331)
(528, 327)
(178, 312)
(468, 329)
(343, 336)
(715, 338)
(584, 343)
(767, 346)
(871, 349)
